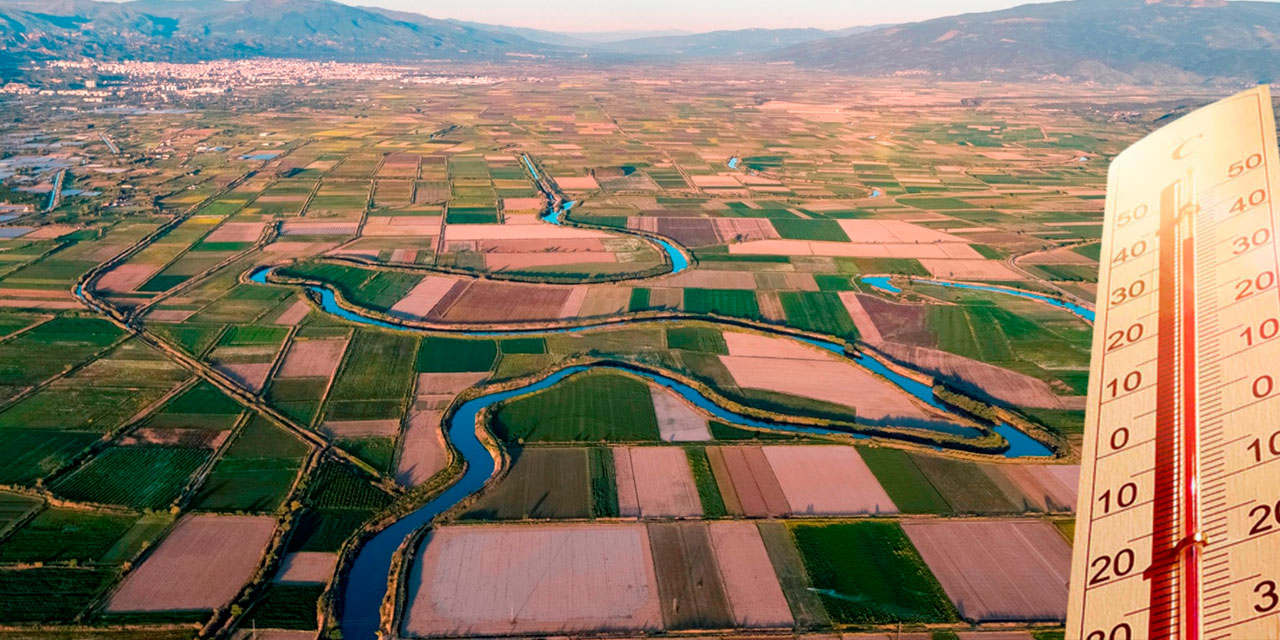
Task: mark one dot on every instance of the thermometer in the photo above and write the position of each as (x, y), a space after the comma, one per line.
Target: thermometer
(1178, 525)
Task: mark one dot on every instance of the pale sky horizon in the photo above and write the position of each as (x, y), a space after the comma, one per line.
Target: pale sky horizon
(582, 16)
(567, 16)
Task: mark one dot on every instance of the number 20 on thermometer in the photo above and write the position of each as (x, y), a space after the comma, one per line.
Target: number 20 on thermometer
(1178, 530)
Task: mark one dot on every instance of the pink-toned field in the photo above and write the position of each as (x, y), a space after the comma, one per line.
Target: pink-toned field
(894, 232)
(127, 277)
(713, 280)
(294, 314)
(312, 359)
(746, 482)
(861, 319)
(970, 269)
(488, 301)
(745, 229)
(548, 579)
(307, 567)
(997, 570)
(655, 482)
(677, 421)
(423, 297)
(827, 480)
(571, 183)
(998, 382)
(448, 384)
(250, 375)
(200, 565)
(422, 451)
(828, 380)
(361, 428)
(524, 204)
(461, 232)
(603, 300)
(750, 583)
(756, 345)
(202, 438)
(573, 304)
(937, 251)
(401, 226)
(542, 245)
(308, 228)
(513, 261)
(236, 232)
(168, 315)
(1049, 487)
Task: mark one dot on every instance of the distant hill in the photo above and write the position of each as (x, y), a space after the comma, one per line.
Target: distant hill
(189, 30)
(1146, 41)
(724, 44)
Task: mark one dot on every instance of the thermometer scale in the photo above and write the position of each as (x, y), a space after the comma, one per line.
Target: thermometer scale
(1178, 525)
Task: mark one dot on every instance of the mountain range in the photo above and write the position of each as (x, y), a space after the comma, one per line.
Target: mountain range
(1144, 41)
(1104, 40)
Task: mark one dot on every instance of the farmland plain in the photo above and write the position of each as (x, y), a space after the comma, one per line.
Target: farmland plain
(151, 376)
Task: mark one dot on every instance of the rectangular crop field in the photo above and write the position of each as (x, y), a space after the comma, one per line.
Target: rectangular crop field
(655, 482)
(964, 486)
(750, 583)
(998, 570)
(533, 580)
(868, 573)
(591, 407)
(200, 565)
(143, 477)
(693, 596)
(542, 483)
(827, 480)
(909, 489)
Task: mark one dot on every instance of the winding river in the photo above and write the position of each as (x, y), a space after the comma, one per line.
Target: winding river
(883, 283)
(366, 584)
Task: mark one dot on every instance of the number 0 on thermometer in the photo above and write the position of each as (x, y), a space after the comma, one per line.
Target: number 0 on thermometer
(1178, 532)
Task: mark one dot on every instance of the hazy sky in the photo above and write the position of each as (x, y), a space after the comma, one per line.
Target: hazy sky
(688, 15)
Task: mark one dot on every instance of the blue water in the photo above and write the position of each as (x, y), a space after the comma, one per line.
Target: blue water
(556, 216)
(679, 262)
(881, 282)
(529, 163)
(1083, 312)
(367, 581)
(876, 193)
(733, 162)
(269, 155)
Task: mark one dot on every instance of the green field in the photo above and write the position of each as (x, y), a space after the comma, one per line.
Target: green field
(590, 407)
(286, 606)
(257, 471)
(822, 312)
(868, 573)
(708, 491)
(542, 483)
(48, 594)
(909, 489)
(699, 339)
(60, 535)
(964, 486)
(29, 454)
(456, 355)
(604, 483)
(375, 378)
(724, 302)
(148, 477)
(370, 288)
